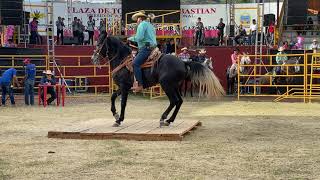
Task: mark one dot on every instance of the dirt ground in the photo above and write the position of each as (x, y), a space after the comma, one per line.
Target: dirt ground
(238, 140)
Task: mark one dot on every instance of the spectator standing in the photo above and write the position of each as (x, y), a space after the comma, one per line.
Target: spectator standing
(49, 79)
(33, 31)
(91, 24)
(271, 32)
(199, 34)
(102, 26)
(280, 59)
(75, 28)
(253, 31)
(60, 25)
(170, 47)
(30, 73)
(85, 37)
(220, 27)
(8, 77)
(81, 30)
(184, 55)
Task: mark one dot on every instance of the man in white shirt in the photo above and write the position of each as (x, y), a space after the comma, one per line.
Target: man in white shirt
(253, 31)
(315, 46)
(86, 37)
(91, 25)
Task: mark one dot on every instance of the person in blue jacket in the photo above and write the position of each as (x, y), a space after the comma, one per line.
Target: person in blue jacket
(8, 77)
(30, 73)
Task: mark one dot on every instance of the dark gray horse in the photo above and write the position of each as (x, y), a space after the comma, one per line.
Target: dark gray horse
(169, 71)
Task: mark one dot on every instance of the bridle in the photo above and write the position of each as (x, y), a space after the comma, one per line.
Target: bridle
(99, 50)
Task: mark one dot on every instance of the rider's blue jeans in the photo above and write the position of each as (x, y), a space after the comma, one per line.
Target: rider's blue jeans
(140, 58)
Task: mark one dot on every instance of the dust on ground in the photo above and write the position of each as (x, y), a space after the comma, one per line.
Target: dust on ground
(238, 140)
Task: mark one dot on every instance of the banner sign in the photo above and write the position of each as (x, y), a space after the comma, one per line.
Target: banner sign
(209, 14)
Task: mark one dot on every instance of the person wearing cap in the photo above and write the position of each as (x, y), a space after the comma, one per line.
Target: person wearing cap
(184, 55)
(9, 77)
(201, 56)
(49, 79)
(146, 40)
(280, 59)
(30, 73)
(315, 46)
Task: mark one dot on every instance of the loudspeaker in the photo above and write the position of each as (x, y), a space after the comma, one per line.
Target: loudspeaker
(268, 18)
(11, 12)
(211, 41)
(70, 40)
(230, 30)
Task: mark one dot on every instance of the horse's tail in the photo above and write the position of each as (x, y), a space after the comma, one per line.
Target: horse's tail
(203, 77)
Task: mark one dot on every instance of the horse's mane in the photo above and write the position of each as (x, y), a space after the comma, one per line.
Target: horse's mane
(117, 47)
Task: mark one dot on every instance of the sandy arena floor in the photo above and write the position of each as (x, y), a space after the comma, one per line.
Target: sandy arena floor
(238, 140)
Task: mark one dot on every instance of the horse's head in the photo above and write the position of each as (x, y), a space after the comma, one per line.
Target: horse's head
(245, 60)
(101, 50)
(208, 63)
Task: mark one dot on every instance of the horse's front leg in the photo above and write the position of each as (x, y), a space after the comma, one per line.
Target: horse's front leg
(113, 106)
(124, 98)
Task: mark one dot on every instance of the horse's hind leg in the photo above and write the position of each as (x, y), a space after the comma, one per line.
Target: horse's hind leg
(113, 107)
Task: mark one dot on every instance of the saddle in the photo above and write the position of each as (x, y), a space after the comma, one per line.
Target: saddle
(128, 61)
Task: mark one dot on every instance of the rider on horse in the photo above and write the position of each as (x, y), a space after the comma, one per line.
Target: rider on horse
(146, 40)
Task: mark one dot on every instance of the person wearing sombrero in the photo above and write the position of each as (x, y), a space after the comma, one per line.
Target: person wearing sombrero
(48, 79)
(29, 78)
(201, 56)
(281, 58)
(315, 45)
(145, 37)
(184, 55)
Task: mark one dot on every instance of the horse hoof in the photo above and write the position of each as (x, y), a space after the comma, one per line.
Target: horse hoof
(116, 116)
(165, 123)
(161, 123)
(116, 124)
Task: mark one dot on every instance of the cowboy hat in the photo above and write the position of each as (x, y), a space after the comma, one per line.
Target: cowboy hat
(137, 15)
(26, 60)
(314, 40)
(49, 72)
(281, 48)
(202, 51)
(185, 48)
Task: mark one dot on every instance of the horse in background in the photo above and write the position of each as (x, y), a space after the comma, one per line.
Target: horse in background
(232, 74)
(282, 80)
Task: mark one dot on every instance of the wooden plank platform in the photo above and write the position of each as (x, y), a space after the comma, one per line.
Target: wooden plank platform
(132, 129)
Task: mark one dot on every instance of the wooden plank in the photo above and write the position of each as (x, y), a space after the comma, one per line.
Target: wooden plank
(107, 128)
(179, 129)
(141, 127)
(141, 130)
